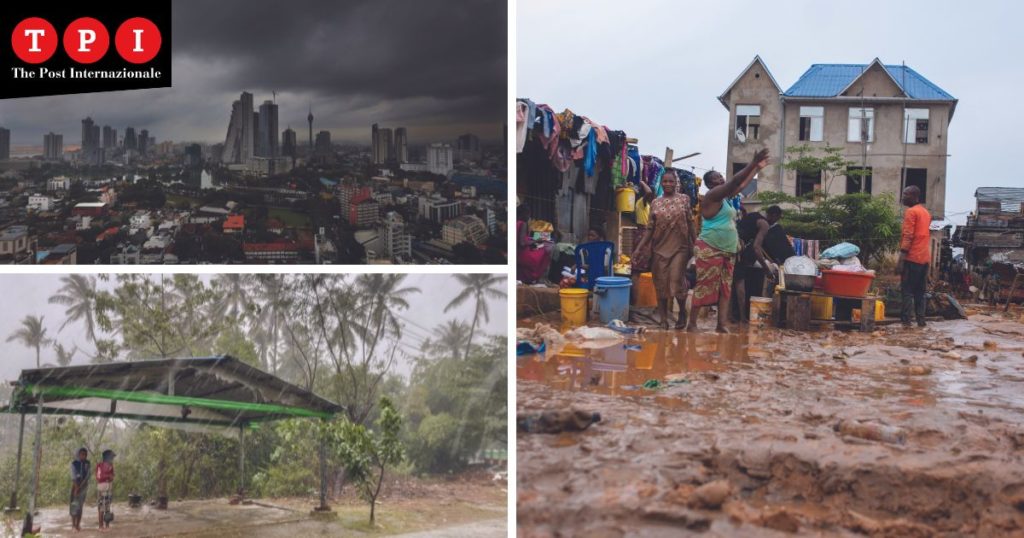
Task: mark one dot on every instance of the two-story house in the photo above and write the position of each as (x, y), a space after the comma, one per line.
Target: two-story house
(888, 119)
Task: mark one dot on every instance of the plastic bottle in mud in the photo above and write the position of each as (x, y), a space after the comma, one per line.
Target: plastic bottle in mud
(571, 420)
(871, 431)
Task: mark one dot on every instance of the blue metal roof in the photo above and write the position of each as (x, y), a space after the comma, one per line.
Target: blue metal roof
(827, 80)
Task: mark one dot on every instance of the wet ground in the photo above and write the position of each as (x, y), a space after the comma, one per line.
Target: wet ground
(421, 509)
(901, 432)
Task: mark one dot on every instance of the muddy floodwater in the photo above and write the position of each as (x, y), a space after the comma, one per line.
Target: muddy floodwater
(900, 432)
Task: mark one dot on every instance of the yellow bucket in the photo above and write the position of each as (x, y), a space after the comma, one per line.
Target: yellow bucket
(645, 294)
(574, 306)
(625, 199)
(760, 311)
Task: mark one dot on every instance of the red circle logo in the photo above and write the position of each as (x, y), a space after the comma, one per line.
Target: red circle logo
(34, 40)
(86, 40)
(137, 40)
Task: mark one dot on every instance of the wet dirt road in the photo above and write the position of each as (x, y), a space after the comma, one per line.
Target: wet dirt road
(902, 432)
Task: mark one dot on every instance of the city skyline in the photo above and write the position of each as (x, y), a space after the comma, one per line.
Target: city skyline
(438, 88)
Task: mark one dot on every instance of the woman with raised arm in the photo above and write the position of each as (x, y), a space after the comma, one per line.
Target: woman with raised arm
(716, 247)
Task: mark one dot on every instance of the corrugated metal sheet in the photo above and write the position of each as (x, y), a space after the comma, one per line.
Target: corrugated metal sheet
(827, 80)
(1009, 198)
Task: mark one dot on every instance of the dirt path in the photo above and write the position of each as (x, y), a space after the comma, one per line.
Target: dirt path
(896, 433)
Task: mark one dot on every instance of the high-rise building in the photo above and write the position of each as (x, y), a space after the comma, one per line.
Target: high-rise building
(289, 144)
(87, 142)
(5, 144)
(397, 242)
(467, 148)
(53, 147)
(143, 141)
(323, 143)
(310, 119)
(439, 159)
(91, 151)
(129, 139)
(193, 155)
(375, 144)
(401, 145)
(267, 143)
(109, 137)
(238, 146)
(387, 144)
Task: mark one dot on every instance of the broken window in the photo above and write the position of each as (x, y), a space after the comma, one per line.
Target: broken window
(807, 182)
(861, 126)
(812, 123)
(915, 126)
(858, 179)
(748, 120)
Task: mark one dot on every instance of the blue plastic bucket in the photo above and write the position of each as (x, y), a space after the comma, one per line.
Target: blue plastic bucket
(612, 297)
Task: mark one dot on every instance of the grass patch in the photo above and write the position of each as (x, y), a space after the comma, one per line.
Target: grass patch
(292, 219)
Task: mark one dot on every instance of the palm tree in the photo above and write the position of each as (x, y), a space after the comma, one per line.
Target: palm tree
(78, 294)
(236, 294)
(31, 334)
(383, 299)
(450, 338)
(64, 356)
(478, 287)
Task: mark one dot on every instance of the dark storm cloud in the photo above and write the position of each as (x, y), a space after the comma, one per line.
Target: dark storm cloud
(438, 67)
(383, 48)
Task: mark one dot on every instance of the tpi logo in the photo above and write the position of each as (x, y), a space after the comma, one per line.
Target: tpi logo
(79, 50)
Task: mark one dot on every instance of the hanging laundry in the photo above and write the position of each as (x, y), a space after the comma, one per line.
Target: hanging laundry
(521, 127)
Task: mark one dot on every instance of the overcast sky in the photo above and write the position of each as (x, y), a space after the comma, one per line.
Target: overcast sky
(654, 68)
(29, 294)
(437, 67)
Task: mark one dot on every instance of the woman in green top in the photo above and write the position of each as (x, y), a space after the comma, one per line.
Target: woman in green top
(716, 247)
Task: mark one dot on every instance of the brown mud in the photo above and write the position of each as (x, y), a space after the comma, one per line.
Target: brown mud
(900, 432)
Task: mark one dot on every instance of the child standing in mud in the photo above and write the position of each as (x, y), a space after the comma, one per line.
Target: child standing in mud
(104, 488)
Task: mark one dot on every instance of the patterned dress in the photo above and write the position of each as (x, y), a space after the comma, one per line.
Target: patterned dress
(670, 243)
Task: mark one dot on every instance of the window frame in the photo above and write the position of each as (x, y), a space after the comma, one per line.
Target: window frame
(915, 115)
(869, 115)
(809, 113)
(747, 123)
(865, 180)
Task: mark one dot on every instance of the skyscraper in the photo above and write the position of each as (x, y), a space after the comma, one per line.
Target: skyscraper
(129, 138)
(467, 148)
(289, 144)
(143, 141)
(238, 146)
(53, 147)
(87, 143)
(109, 137)
(310, 118)
(375, 144)
(323, 143)
(401, 145)
(439, 159)
(267, 145)
(5, 144)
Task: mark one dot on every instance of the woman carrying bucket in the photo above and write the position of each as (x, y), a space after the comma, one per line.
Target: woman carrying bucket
(670, 236)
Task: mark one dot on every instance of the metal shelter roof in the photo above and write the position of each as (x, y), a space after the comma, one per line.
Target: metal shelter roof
(208, 394)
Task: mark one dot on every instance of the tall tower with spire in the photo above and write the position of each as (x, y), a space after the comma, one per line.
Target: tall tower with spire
(310, 118)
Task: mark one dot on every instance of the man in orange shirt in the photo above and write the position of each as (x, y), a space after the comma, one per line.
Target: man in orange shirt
(915, 253)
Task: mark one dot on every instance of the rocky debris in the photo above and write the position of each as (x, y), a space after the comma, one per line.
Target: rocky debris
(712, 494)
(871, 431)
(573, 420)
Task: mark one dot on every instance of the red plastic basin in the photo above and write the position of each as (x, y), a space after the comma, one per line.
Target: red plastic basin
(845, 283)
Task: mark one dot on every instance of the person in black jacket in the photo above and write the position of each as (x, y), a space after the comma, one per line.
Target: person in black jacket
(763, 243)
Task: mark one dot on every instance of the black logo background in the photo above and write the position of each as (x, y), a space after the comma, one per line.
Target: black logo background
(111, 15)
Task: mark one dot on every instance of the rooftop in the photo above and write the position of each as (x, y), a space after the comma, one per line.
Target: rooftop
(234, 222)
(829, 80)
